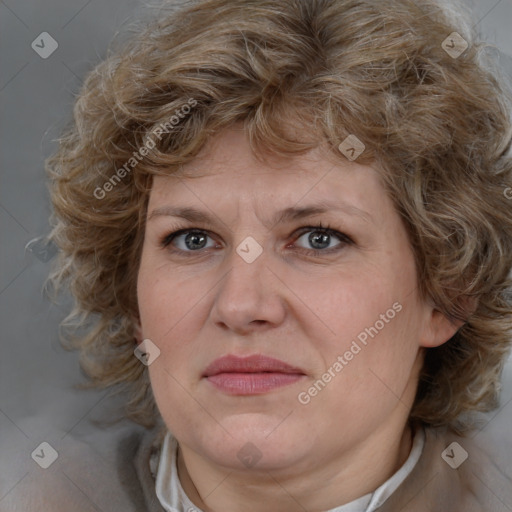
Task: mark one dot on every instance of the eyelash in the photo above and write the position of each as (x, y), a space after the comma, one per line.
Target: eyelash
(345, 239)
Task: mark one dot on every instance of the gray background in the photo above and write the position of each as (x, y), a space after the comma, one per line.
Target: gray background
(37, 399)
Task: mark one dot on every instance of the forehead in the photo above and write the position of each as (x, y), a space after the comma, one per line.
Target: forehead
(227, 175)
(228, 160)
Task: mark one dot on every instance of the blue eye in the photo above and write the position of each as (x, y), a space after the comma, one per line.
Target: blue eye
(194, 239)
(320, 238)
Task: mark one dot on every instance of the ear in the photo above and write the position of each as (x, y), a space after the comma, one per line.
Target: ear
(138, 331)
(439, 329)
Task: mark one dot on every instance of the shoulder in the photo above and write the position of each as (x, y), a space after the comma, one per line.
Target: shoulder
(103, 470)
(466, 473)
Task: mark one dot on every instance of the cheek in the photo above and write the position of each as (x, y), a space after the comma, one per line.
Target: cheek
(376, 335)
(375, 368)
(164, 300)
(169, 318)
(172, 313)
(173, 394)
(357, 304)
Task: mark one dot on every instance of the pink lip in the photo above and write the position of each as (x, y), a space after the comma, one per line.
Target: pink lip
(251, 375)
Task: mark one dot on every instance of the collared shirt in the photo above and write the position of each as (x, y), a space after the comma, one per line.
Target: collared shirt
(174, 499)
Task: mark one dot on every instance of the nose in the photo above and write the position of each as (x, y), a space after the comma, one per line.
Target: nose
(250, 296)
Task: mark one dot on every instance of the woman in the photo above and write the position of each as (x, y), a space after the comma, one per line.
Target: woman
(286, 222)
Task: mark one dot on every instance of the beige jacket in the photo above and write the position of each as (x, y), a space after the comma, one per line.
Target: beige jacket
(87, 479)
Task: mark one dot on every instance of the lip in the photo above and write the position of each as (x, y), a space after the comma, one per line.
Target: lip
(256, 374)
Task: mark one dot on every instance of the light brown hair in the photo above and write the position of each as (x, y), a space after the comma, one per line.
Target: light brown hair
(438, 126)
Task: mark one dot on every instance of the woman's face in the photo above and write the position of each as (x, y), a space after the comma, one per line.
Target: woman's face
(346, 319)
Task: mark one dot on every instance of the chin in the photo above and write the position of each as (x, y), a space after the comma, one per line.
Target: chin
(255, 442)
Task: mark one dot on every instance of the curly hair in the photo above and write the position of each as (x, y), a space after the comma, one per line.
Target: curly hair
(437, 124)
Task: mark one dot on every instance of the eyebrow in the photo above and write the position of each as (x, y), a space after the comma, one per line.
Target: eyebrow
(287, 215)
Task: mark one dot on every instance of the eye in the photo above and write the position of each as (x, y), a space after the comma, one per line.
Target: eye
(191, 240)
(320, 239)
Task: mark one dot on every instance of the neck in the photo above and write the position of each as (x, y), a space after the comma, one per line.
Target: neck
(318, 488)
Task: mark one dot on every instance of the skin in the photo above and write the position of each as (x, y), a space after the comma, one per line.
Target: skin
(199, 304)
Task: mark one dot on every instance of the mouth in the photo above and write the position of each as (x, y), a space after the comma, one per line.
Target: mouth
(251, 375)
